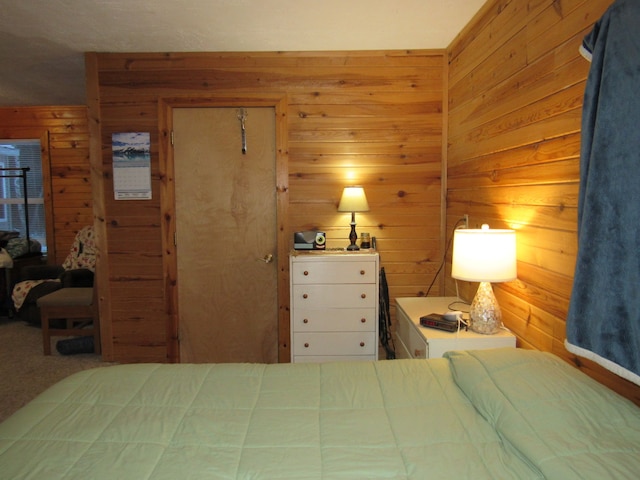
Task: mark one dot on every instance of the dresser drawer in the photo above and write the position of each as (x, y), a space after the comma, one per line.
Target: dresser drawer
(333, 306)
(334, 296)
(334, 320)
(335, 343)
(334, 272)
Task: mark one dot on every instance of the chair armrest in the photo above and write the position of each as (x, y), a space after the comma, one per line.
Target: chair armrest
(77, 278)
(40, 272)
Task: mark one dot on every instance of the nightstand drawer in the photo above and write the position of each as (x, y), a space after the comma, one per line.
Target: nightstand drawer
(331, 358)
(334, 320)
(334, 272)
(334, 296)
(335, 343)
(414, 345)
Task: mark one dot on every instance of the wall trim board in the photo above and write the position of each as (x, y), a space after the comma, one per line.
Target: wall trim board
(99, 208)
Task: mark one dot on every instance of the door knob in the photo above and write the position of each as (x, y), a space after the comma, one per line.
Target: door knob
(268, 258)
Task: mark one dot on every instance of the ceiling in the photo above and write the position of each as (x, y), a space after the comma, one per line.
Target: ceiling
(42, 41)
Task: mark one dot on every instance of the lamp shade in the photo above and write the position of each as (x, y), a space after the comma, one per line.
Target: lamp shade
(484, 255)
(353, 200)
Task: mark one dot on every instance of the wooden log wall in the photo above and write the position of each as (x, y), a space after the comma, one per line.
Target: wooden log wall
(369, 118)
(64, 134)
(516, 82)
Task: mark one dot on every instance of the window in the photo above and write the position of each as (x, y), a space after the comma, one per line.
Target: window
(16, 155)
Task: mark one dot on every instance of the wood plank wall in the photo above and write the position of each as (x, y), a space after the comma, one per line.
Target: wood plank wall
(516, 82)
(370, 118)
(65, 136)
(511, 122)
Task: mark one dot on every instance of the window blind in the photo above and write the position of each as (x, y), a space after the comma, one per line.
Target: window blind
(20, 154)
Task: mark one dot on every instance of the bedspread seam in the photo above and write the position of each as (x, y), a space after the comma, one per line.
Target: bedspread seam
(186, 409)
(95, 440)
(386, 412)
(253, 410)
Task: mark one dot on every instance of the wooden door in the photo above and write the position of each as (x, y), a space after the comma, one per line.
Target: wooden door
(225, 204)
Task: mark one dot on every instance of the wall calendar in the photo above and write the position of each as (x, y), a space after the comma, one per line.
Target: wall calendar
(131, 165)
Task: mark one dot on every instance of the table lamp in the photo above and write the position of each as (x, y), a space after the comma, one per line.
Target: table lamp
(484, 255)
(353, 200)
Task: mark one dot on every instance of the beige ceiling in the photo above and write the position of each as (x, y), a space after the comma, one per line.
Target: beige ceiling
(42, 41)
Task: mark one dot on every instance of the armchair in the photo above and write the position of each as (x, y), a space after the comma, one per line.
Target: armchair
(77, 271)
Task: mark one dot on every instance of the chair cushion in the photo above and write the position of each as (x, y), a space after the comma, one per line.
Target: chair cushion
(66, 297)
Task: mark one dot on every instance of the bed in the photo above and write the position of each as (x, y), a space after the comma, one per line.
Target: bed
(486, 414)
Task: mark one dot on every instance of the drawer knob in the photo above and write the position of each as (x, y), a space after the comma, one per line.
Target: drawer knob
(306, 320)
(364, 295)
(304, 295)
(306, 345)
(362, 344)
(305, 273)
(361, 272)
(363, 320)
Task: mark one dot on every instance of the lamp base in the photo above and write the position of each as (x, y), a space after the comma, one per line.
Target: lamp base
(353, 236)
(486, 316)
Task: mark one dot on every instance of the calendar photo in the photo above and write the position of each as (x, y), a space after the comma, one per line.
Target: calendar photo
(131, 165)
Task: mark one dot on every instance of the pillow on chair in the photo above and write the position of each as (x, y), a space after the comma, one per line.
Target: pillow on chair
(83, 251)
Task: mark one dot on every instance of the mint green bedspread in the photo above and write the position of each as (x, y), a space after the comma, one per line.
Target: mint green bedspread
(491, 414)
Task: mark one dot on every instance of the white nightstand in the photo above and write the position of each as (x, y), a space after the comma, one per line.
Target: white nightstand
(416, 341)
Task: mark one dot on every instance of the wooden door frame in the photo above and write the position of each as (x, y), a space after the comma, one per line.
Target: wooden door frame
(168, 215)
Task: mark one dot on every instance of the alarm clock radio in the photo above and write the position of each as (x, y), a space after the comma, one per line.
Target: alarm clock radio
(309, 240)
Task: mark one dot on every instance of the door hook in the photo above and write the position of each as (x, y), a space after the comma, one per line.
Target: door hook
(242, 116)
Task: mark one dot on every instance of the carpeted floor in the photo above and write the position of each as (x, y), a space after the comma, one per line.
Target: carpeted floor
(25, 372)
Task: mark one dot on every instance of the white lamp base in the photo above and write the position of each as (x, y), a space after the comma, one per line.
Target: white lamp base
(486, 316)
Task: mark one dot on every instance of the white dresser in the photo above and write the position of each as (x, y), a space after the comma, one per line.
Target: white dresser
(334, 305)
(416, 341)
